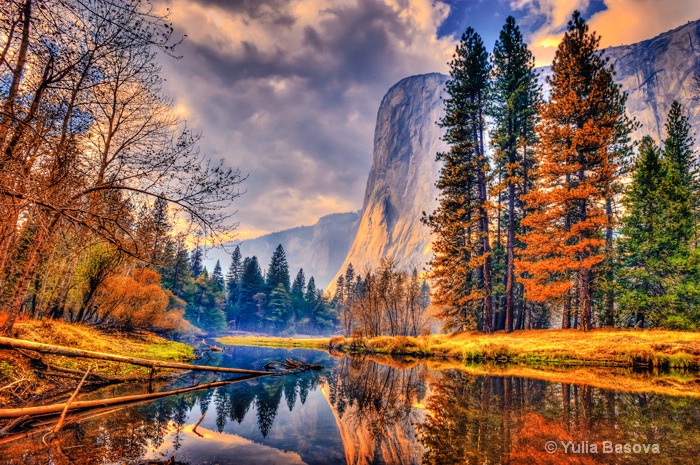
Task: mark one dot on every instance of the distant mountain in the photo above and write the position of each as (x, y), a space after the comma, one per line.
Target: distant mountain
(319, 249)
(401, 183)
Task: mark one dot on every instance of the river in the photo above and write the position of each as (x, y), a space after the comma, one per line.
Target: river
(365, 410)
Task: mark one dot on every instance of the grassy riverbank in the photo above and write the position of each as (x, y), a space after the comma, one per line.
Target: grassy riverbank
(20, 368)
(601, 347)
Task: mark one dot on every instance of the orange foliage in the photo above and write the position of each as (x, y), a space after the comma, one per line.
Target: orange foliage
(529, 447)
(581, 139)
(138, 301)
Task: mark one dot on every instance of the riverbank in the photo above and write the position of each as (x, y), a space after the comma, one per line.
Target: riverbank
(28, 370)
(601, 347)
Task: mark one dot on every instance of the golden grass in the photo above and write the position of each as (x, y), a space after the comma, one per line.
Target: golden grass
(144, 345)
(258, 341)
(606, 347)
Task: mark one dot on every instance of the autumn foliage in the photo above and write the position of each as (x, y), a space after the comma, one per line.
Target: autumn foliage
(137, 301)
(581, 131)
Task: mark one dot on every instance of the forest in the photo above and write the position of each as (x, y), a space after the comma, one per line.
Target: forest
(566, 221)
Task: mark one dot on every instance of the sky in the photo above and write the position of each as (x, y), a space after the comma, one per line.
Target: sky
(288, 91)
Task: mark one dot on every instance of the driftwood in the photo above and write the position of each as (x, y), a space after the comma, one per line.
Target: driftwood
(211, 347)
(88, 404)
(292, 366)
(69, 352)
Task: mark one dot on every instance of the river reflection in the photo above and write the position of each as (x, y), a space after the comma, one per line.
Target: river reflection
(364, 411)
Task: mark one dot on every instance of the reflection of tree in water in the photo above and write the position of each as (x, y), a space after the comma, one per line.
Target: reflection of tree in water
(127, 435)
(375, 404)
(234, 401)
(474, 420)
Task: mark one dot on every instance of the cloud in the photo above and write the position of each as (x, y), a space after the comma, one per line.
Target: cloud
(552, 15)
(631, 21)
(288, 91)
(618, 22)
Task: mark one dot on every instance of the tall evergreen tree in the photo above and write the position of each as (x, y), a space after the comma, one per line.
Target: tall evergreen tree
(514, 99)
(580, 134)
(252, 284)
(349, 280)
(233, 276)
(279, 308)
(278, 271)
(643, 255)
(298, 288)
(217, 277)
(462, 267)
(196, 262)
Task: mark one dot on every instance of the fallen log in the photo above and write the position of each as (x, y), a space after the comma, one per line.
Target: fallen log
(70, 352)
(87, 404)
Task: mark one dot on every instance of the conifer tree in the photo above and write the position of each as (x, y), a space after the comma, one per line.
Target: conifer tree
(462, 267)
(643, 257)
(298, 288)
(514, 99)
(217, 277)
(196, 260)
(349, 280)
(278, 271)
(279, 307)
(252, 284)
(233, 276)
(581, 138)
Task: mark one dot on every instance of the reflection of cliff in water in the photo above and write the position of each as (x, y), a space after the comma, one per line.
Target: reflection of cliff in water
(374, 405)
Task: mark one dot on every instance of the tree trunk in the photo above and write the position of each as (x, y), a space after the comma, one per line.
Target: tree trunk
(585, 303)
(510, 258)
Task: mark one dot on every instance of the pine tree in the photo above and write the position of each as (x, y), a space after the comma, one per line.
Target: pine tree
(279, 308)
(462, 268)
(681, 179)
(217, 277)
(298, 288)
(233, 277)
(196, 260)
(643, 256)
(278, 271)
(349, 280)
(581, 130)
(514, 99)
(252, 284)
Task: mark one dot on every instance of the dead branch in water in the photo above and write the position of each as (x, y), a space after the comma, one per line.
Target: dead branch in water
(70, 401)
(292, 366)
(69, 352)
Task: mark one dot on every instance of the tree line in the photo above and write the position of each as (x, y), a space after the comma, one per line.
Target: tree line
(566, 219)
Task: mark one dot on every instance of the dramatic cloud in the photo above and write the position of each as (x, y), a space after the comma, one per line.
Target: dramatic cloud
(617, 21)
(288, 91)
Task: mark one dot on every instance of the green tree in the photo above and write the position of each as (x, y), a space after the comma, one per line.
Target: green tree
(461, 267)
(196, 262)
(233, 283)
(217, 277)
(514, 99)
(278, 271)
(658, 278)
(252, 284)
(279, 308)
(298, 288)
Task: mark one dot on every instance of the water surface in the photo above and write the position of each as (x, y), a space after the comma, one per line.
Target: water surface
(366, 411)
